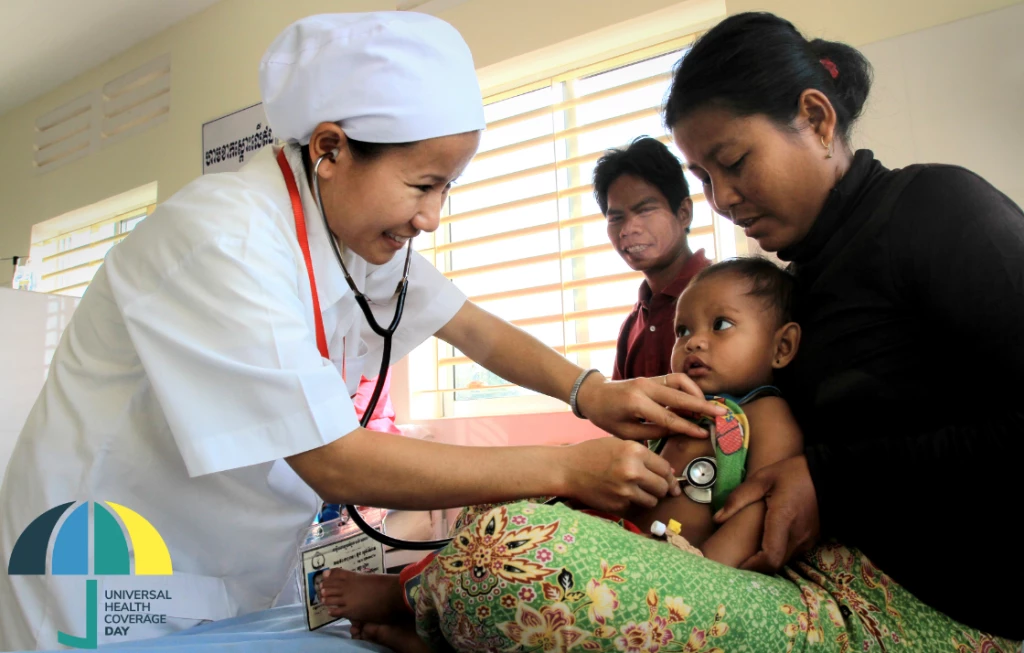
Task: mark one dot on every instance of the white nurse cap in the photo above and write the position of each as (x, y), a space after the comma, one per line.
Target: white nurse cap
(387, 77)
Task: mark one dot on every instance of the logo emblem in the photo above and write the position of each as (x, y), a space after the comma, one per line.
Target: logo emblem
(70, 552)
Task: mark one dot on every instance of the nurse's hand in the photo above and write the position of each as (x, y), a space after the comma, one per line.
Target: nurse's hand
(610, 474)
(643, 408)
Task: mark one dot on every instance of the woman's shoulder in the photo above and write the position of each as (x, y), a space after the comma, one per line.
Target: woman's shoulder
(227, 212)
(230, 206)
(934, 190)
(231, 200)
(950, 221)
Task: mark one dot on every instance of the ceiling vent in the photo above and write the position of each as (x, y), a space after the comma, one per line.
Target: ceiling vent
(122, 108)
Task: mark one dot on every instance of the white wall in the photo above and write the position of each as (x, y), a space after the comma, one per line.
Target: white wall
(952, 94)
(215, 57)
(30, 328)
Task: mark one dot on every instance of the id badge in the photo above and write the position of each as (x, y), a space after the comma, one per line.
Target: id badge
(336, 544)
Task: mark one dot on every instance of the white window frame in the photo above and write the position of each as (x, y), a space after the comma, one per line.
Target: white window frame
(50, 239)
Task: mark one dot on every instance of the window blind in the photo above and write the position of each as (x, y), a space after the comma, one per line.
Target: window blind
(522, 234)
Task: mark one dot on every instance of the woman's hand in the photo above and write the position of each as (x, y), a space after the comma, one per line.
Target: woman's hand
(791, 525)
(642, 409)
(610, 474)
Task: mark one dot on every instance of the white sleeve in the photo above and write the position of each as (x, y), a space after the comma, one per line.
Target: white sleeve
(224, 340)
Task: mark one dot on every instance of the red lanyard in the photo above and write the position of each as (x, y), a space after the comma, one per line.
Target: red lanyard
(300, 233)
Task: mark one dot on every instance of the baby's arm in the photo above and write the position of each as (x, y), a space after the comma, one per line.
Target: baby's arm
(775, 436)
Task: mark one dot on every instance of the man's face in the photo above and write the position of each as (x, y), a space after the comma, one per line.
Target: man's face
(642, 227)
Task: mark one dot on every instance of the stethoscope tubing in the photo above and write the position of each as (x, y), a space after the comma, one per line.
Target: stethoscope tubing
(386, 334)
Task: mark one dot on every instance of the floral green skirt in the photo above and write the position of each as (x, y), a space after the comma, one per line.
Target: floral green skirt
(532, 577)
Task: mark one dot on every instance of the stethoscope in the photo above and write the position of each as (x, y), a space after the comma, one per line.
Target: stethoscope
(386, 333)
(698, 478)
(401, 290)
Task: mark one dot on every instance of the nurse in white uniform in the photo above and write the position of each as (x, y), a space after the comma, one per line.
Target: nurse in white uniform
(202, 383)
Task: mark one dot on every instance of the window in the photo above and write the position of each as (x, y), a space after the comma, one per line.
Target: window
(67, 251)
(524, 238)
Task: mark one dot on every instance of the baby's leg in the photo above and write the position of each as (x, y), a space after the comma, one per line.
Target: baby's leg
(400, 638)
(695, 518)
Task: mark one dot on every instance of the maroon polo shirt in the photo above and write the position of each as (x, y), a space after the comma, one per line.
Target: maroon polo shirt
(646, 338)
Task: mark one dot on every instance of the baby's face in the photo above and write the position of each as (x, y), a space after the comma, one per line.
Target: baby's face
(725, 338)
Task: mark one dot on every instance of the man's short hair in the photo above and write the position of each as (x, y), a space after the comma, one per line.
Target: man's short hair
(648, 159)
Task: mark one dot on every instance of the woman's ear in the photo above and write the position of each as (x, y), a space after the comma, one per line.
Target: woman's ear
(787, 342)
(328, 139)
(815, 109)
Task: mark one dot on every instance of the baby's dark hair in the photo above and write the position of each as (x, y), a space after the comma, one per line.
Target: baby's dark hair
(769, 282)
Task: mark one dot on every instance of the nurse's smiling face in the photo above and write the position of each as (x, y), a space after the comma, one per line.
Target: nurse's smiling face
(375, 204)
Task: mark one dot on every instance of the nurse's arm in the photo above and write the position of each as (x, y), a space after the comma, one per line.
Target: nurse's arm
(618, 407)
(391, 471)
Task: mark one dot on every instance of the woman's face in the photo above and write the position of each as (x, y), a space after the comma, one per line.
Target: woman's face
(770, 180)
(375, 206)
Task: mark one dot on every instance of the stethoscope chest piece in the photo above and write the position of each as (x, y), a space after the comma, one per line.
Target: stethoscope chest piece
(698, 479)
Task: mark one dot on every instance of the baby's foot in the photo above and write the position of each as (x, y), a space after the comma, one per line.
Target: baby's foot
(400, 637)
(363, 597)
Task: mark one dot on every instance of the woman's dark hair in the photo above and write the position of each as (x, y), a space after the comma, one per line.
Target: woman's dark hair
(768, 282)
(364, 151)
(758, 63)
(361, 151)
(647, 159)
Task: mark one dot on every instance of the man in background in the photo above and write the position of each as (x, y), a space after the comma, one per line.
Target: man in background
(645, 198)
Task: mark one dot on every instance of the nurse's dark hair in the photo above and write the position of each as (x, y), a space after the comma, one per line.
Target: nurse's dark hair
(647, 159)
(364, 151)
(768, 282)
(757, 63)
(361, 150)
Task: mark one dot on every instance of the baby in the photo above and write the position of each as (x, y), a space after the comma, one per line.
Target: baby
(733, 331)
